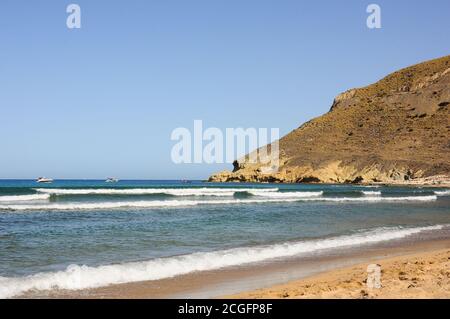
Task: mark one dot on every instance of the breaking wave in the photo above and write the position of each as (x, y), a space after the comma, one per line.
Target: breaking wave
(443, 193)
(371, 193)
(76, 277)
(24, 198)
(286, 194)
(134, 204)
(180, 203)
(151, 191)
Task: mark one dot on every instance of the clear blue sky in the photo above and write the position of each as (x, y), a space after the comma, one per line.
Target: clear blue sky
(104, 99)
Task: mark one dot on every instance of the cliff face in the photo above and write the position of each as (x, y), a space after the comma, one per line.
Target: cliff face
(395, 130)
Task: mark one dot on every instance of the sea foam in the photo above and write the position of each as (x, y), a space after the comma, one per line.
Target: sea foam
(371, 193)
(150, 191)
(24, 198)
(135, 204)
(443, 193)
(76, 277)
(186, 203)
(286, 194)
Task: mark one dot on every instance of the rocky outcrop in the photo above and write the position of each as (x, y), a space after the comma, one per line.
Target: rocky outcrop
(394, 131)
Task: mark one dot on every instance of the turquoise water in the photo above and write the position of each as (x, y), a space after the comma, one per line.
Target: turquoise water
(75, 234)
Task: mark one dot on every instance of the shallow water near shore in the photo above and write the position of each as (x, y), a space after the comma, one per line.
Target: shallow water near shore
(86, 234)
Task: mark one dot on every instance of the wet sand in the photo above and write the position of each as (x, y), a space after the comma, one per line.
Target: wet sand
(235, 280)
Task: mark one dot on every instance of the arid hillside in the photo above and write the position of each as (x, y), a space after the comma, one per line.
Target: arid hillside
(394, 131)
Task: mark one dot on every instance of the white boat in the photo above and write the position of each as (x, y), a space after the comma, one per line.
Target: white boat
(111, 180)
(44, 180)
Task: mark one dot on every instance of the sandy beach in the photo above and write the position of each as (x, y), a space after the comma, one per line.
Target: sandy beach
(420, 275)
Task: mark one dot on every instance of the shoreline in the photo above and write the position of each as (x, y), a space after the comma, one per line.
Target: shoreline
(445, 184)
(243, 281)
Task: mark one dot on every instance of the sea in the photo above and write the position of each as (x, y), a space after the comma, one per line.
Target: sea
(80, 234)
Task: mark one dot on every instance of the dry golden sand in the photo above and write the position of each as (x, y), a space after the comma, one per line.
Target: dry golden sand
(423, 275)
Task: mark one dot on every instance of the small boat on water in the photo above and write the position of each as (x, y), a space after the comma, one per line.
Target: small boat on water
(111, 180)
(44, 180)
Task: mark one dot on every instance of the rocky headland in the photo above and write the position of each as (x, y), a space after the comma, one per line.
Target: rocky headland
(395, 131)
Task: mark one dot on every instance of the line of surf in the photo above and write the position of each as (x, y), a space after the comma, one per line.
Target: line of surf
(185, 203)
(24, 198)
(371, 193)
(151, 191)
(286, 194)
(443, 193)
(76, 277)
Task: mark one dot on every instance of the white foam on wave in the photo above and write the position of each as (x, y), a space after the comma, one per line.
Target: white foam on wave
(286, 194)
(205, 191)
(378, 199)
(443, 193)
(135, 204)
(77, 277)
(24, 198)
(371, 193)
(185, 203)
